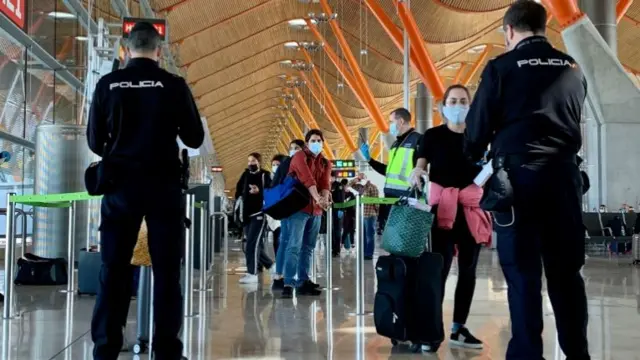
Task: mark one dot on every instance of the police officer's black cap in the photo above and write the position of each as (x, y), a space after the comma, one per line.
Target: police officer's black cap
(144, 26)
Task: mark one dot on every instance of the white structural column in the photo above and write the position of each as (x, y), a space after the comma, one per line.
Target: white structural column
(614, 104)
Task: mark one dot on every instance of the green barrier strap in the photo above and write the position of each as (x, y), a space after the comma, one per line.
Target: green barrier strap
(52, 200)
(366, 201)
(344, 205)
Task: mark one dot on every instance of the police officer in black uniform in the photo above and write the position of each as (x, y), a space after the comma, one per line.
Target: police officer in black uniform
(136, 115)
(528, 107)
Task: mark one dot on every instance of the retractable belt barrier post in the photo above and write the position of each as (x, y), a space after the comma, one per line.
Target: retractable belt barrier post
(225, 243)
(71, 250)
(359, 257)
(328, 249)
(203, 247)
(9, 260)
(359, 203)
(188, 258)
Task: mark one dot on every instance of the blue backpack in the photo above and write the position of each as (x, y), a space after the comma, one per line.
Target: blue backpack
(287, 196)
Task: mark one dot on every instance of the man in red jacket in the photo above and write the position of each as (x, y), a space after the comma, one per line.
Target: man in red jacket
(313, 170)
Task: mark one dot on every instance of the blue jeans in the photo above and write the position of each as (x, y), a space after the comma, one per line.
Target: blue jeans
(282, 247)
(302, 230)
(369, 235)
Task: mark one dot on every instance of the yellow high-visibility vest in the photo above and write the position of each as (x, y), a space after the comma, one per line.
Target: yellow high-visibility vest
(401, 163)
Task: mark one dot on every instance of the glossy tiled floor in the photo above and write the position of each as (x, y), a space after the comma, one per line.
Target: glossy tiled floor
(253, 323)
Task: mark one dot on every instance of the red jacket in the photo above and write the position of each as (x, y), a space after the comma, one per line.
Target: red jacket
(447, 199)
(311, 170)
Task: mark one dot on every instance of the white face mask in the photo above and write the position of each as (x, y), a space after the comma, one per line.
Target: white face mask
(274, 168)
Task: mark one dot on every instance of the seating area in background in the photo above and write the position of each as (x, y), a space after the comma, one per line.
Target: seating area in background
(609, 232)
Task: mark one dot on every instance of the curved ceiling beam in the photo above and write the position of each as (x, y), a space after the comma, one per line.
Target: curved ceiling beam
(227, 66)
(221, 22)
(262, 102)
(236, 126)
(245, 148)
(245, 89)
(208, 55)
(283, 56)
(469, 11)
(427, 65)
(355, 77)
(263, 95)
(249, 147)
(238, 79)
(257, 119)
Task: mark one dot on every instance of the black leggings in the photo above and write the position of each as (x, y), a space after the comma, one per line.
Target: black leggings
(254, 249)
(444, 242)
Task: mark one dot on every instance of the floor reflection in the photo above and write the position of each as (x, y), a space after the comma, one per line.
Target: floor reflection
(252, 322)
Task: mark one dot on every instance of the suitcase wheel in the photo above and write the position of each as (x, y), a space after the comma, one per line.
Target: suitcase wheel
(394, 342)
(415, 348)
(140, 348)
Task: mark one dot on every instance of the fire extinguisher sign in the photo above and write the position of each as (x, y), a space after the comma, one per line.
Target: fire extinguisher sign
(14, 10)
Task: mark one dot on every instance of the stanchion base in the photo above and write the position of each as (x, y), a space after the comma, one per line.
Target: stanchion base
(332, 289)
(67, 291)
(366, 313)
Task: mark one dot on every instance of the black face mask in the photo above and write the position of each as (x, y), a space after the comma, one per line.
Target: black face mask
(253, 168)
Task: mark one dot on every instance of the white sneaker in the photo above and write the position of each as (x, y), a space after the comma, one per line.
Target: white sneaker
(249, 279)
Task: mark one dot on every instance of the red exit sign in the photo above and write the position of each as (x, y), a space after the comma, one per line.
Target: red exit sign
(14, 10)
(159, 24)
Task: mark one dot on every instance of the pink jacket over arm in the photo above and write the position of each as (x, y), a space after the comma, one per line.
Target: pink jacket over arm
(447, 199)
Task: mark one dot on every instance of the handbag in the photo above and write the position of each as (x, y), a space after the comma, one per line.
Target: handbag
(36, 270)
(408, 226)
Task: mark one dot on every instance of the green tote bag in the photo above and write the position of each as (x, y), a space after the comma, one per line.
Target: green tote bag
(407, 228)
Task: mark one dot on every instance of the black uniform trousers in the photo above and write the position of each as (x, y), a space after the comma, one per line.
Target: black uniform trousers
(544, 231)
(445, 243)
(123, 209)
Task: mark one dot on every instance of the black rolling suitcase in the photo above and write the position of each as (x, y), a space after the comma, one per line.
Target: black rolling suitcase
(390, 305)
(408, 303)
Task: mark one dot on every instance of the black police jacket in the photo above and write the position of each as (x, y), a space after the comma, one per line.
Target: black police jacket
(136, 115)
(529, 102)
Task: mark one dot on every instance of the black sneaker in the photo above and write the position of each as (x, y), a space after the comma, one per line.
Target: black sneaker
(463, 338)
(308, 289)
(278, 284)
(311, 284)
(287, 292)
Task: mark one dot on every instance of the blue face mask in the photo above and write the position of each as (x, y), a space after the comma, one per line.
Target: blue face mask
(455, 114)
(292, 152)
(393, 129)
(315, 148)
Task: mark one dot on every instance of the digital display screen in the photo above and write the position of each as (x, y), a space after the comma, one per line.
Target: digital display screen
(343, 174)
(343, 164)
(159, 24)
